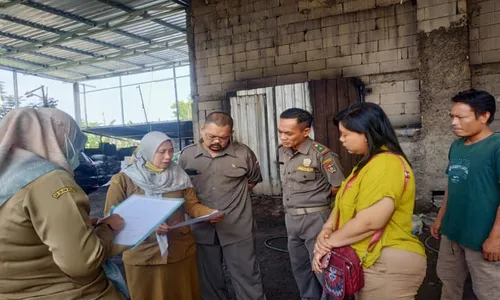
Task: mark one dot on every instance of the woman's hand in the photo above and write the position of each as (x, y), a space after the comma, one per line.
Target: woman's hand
(114, 221)
(164, 228)
(316, 263)
(322, 240)
(321, 248)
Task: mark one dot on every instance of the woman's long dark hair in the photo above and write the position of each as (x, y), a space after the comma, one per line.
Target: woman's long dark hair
(369, 119)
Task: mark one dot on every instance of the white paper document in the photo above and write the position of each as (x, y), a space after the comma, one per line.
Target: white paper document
(162, 240)
(198, 220)
(142, 215)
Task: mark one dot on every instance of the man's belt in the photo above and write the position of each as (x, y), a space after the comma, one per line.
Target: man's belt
(306, 210)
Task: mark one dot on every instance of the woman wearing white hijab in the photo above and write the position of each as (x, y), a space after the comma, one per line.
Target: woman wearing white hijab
(48, 248)
(152, 172)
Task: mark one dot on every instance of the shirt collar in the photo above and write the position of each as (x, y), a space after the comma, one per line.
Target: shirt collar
(303, 148)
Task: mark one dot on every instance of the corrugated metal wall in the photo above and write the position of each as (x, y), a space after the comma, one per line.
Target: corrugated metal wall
(256, 114)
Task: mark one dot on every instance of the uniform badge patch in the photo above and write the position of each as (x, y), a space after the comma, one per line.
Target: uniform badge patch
(330, 167)
(326, 161)
(320, 148)
(62, 191)
(305, 169)
(306, 162)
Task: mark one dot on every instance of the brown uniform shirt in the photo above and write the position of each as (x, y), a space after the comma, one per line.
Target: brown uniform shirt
(48, 248)
(181, 243)
(308, 174)
(222, 183)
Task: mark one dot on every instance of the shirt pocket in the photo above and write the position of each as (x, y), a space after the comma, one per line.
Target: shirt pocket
(301, 179)
(235, 172)
(302, 176)
(231, 181)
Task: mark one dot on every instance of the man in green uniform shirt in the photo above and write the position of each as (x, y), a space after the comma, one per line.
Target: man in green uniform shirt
(468, 221)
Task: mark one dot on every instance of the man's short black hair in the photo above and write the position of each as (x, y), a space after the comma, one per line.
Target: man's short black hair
(481, 102)
(220, 119)
(304, 118)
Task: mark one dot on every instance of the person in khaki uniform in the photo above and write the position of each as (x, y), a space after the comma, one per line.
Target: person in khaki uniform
(223, 173)
(151, 172)
(49, 250)
(310, 175)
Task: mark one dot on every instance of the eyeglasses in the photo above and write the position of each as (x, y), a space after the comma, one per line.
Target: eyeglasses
(221, 138)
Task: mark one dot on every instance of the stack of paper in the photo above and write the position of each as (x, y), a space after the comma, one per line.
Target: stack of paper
(142, 215)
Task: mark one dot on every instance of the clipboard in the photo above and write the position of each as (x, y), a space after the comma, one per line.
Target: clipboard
(142, 215)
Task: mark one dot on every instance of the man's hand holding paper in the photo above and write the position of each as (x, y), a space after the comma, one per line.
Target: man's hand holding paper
(217, 218)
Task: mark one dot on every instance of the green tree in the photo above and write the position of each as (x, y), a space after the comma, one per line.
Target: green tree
(185, 111)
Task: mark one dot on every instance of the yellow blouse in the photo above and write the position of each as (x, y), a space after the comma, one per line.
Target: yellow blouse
(383, 176)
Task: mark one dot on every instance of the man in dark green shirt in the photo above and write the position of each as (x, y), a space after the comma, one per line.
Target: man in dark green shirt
(469, 219)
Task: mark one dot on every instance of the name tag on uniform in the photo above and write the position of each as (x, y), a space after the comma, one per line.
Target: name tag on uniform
(305, 169)
(62, 191)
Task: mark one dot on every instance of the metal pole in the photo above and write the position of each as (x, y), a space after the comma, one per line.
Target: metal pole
(16, 89)
(44, 99)
(179, 132)
(144, 108)
(85, 105)
(121, 100)
(76, 102)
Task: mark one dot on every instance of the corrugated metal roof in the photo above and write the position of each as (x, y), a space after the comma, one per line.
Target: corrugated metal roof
(74, 40)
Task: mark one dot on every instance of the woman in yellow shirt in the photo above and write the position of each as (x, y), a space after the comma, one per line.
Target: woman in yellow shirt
(378, 196)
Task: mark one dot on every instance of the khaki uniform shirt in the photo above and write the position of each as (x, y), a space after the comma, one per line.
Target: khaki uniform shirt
(48, 248)
(181, 243)
(222, 183)
(308, 175)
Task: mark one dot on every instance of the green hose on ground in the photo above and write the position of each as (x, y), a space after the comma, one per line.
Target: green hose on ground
(268, 245)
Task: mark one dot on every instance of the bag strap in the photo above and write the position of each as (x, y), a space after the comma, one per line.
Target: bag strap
(377, 235)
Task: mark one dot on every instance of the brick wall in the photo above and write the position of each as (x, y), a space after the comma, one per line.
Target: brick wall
(484, 31)
(444, 70)
(485, 47)
(251, 44)
(413, 58)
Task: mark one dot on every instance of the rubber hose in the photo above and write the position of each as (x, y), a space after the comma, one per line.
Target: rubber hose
(426, 242)
(266, 243)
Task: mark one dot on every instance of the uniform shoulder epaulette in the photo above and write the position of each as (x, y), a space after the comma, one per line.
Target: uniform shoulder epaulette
(321, 149)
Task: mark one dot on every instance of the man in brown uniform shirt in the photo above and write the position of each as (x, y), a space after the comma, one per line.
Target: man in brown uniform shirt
(223, 172)
(310, 174)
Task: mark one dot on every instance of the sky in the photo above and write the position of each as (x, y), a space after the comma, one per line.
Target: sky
(104, 106)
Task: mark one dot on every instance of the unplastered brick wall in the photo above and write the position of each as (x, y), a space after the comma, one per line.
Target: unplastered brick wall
(485, 47)
(251, 44)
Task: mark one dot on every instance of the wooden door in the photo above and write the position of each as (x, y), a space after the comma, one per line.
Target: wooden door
(328, 97)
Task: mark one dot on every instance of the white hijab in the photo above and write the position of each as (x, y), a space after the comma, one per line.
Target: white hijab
(153, 183)
(34, 142)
